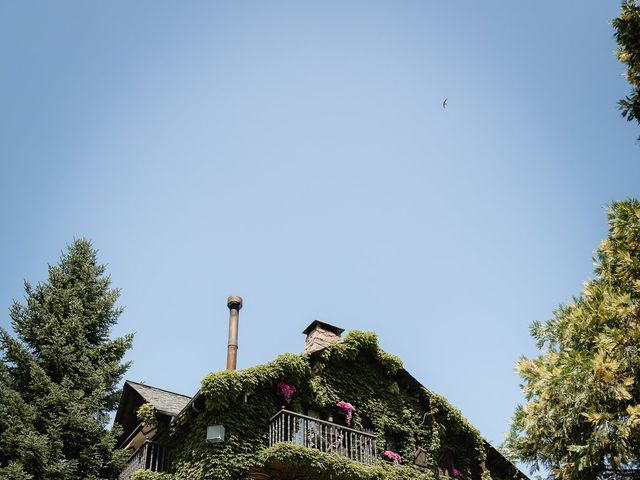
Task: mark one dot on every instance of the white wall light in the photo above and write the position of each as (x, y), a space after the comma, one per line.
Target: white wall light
(215, 433)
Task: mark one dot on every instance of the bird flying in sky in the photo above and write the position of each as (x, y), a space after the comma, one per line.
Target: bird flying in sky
(444, 104)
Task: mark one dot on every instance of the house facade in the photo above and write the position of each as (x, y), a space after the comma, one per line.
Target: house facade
(343, 409)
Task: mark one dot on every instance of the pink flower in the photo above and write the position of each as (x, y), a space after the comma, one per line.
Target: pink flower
(397, 459)
(457, 473)
(348, 409)
(287, 391)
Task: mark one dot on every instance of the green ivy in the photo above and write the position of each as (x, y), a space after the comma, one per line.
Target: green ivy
(147, 414)
(316, 465)
(148, 475)
(355, 370)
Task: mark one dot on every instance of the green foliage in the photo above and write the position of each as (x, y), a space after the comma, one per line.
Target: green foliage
(316, 465)
(59, 376)
(147, 414)
(457, 431)
(149, 475)
(355, 370)
(222, 389)
(582, 416)
(627, 34)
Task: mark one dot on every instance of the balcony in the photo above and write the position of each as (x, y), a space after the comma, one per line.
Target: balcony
(151, 456)
(286, 426)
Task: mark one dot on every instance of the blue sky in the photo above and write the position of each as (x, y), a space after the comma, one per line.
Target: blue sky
(298, 154)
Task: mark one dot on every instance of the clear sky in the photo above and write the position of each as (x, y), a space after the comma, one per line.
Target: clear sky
(298, 154)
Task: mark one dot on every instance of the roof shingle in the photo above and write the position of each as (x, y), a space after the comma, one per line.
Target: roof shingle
(166, 402)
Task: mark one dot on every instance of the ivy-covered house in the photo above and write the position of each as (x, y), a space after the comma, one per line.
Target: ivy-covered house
(140, 428)
(343, 409)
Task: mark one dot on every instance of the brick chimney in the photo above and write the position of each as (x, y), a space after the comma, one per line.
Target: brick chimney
(320, 335)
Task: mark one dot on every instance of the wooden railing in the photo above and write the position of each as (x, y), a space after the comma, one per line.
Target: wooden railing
(286, 426)
(151, 456)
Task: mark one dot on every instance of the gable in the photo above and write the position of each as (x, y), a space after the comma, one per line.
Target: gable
(134, 395)
(401, 413)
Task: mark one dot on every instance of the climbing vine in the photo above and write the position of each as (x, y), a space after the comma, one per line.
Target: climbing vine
(147, 415)
(405, 417)
(316, 465)
(147, 475)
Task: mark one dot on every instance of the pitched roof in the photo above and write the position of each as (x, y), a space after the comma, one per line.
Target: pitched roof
(410, 382)
(166, 402)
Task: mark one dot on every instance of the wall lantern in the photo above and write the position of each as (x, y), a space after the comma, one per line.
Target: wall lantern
(215, 433)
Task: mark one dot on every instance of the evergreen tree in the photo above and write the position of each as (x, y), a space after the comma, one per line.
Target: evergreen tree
(582, 415)
(627, 27)
(59, 376)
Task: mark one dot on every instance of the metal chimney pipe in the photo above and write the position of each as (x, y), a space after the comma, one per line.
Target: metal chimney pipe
(235, 304)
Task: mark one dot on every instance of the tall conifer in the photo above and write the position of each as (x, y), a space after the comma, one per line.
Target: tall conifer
(59, 374)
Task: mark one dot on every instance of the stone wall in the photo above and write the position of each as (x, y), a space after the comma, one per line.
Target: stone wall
(318, 339)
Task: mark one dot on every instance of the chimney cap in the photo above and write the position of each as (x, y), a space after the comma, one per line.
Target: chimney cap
(325, 326)
(234, 301)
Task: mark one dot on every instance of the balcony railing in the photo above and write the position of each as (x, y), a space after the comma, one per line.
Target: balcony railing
(327, 437)
(151, 456)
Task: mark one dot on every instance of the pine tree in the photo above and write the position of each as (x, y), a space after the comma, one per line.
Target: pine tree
(627, 34)
(59, 375)
(582, 415)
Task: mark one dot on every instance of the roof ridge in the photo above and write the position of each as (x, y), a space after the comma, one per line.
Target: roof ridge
(157, 388)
